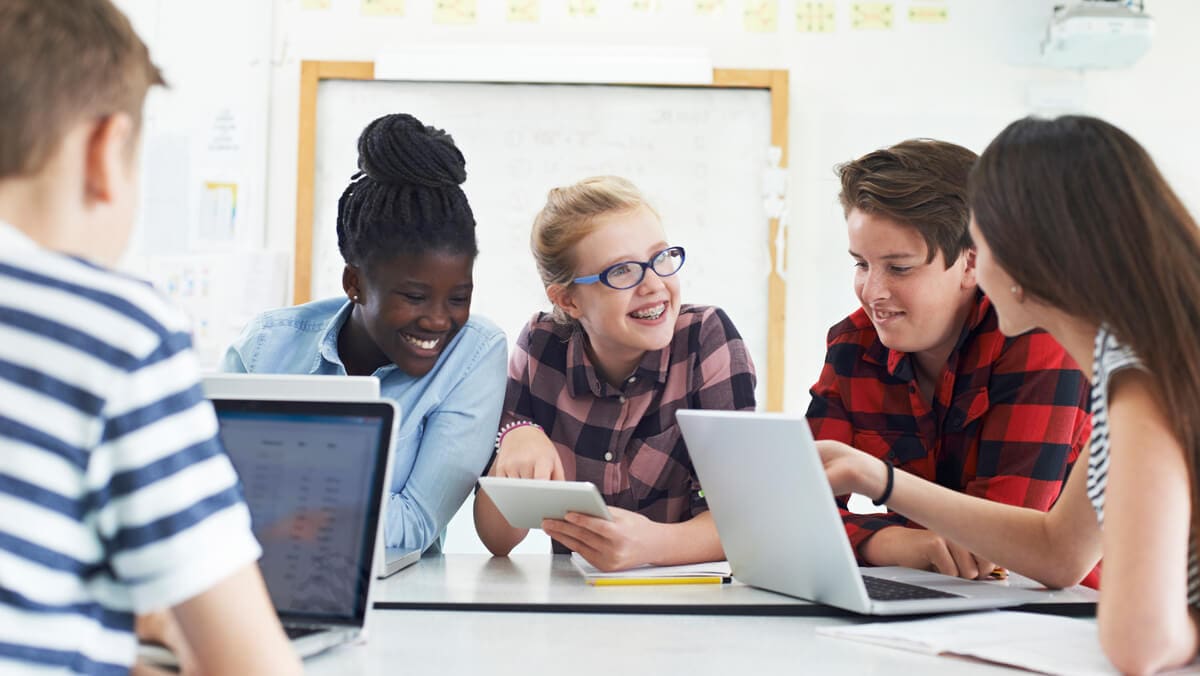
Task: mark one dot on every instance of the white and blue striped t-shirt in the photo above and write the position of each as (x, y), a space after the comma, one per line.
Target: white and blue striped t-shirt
(1111, 357)
(115, 494)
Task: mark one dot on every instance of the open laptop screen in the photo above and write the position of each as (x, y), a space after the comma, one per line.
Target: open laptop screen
(312, 474)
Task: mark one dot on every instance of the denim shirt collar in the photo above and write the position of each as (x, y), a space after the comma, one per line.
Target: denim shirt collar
(328, 349)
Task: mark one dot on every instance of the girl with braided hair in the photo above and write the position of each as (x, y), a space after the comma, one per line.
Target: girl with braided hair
(407, 234)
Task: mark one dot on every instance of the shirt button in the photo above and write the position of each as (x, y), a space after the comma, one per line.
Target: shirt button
(608, 456)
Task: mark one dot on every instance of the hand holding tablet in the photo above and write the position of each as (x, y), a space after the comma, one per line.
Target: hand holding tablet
(525, 502)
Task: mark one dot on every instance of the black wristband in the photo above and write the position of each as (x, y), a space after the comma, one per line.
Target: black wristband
(887, 490)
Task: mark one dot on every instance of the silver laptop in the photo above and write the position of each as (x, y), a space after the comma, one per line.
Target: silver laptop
(307, 387)
(315, 475)
(289, 386)
(781, 530)
(396, 560)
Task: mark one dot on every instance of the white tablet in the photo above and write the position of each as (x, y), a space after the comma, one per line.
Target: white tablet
(525, 502)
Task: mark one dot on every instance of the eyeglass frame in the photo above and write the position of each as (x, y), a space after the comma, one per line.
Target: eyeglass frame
(602, 276)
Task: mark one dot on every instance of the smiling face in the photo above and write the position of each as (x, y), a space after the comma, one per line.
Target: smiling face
(622, 325)
(915, 306)
(412, 306)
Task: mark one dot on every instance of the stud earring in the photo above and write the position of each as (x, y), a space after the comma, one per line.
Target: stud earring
(355, 298)
(1014, 290)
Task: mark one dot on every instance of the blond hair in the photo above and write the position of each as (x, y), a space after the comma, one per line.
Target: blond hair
(569, 216)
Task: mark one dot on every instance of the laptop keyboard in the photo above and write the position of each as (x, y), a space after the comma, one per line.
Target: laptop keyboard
(880, 589)
(299, 632)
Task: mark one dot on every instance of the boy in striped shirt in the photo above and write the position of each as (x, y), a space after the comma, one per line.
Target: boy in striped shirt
(116, 497)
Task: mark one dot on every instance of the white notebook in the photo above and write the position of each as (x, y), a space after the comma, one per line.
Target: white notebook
(710, 569)
(1048, 644)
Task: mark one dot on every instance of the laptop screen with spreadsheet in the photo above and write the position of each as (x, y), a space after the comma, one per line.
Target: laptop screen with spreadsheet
(313, 477)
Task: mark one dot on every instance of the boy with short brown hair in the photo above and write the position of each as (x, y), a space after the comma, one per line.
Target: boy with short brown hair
(921, 376)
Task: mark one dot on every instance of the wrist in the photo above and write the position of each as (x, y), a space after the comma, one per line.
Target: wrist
(884, 491)
(877, 549)
(513, 427)
(869, 475)
(656, 543)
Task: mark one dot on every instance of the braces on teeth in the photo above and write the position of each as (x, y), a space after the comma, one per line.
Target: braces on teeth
(651, 314)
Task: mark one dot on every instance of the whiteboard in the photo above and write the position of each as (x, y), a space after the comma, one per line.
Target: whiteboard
(698, 154)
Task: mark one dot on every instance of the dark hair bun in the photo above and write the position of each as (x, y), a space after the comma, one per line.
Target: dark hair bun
(397, 149)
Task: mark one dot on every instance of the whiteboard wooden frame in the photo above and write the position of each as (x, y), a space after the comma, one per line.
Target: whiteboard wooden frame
(774, 81)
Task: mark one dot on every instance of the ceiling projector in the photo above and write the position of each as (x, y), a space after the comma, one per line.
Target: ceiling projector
(1097, 34)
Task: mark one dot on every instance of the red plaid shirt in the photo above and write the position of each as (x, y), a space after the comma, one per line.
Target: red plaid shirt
(1009, 415)
(625, 439)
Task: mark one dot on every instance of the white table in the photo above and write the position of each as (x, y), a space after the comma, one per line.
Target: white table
(576, 644)
(467, 626)
(550, 583)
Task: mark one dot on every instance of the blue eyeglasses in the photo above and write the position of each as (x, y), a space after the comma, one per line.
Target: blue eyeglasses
(628, 274)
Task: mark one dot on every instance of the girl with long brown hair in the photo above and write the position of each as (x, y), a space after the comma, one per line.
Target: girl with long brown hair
(1078, 233)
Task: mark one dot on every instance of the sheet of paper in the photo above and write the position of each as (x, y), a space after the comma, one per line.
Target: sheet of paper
(163, 224)
(816, 17)
(220, 292)
(711, 568)
(454, 11)
(762, 16)
(524, 11)
(383, 7)
(928, 12)
(582, 8)
(1045, 643)
(216, 218)
(871, 16)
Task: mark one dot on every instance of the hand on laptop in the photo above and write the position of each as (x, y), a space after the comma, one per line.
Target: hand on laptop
(849, 470)
(621, 543)
(924, 550)
(527, 453)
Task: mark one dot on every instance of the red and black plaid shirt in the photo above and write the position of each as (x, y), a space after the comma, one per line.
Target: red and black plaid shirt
(1009, 415)
(625, 439)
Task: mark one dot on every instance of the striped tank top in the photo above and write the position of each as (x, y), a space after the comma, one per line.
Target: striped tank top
(1111, 357)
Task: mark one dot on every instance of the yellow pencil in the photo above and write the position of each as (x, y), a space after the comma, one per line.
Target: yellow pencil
(630, 581)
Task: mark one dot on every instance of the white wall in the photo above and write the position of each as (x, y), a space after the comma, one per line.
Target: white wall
(207, 127)
(851, 91)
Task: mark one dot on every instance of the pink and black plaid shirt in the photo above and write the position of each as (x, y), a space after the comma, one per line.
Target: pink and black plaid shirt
(625, 439)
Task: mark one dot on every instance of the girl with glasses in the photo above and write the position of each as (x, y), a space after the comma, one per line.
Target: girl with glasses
(593, 386)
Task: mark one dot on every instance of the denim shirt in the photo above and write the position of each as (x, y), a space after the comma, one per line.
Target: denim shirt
(448, 417)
